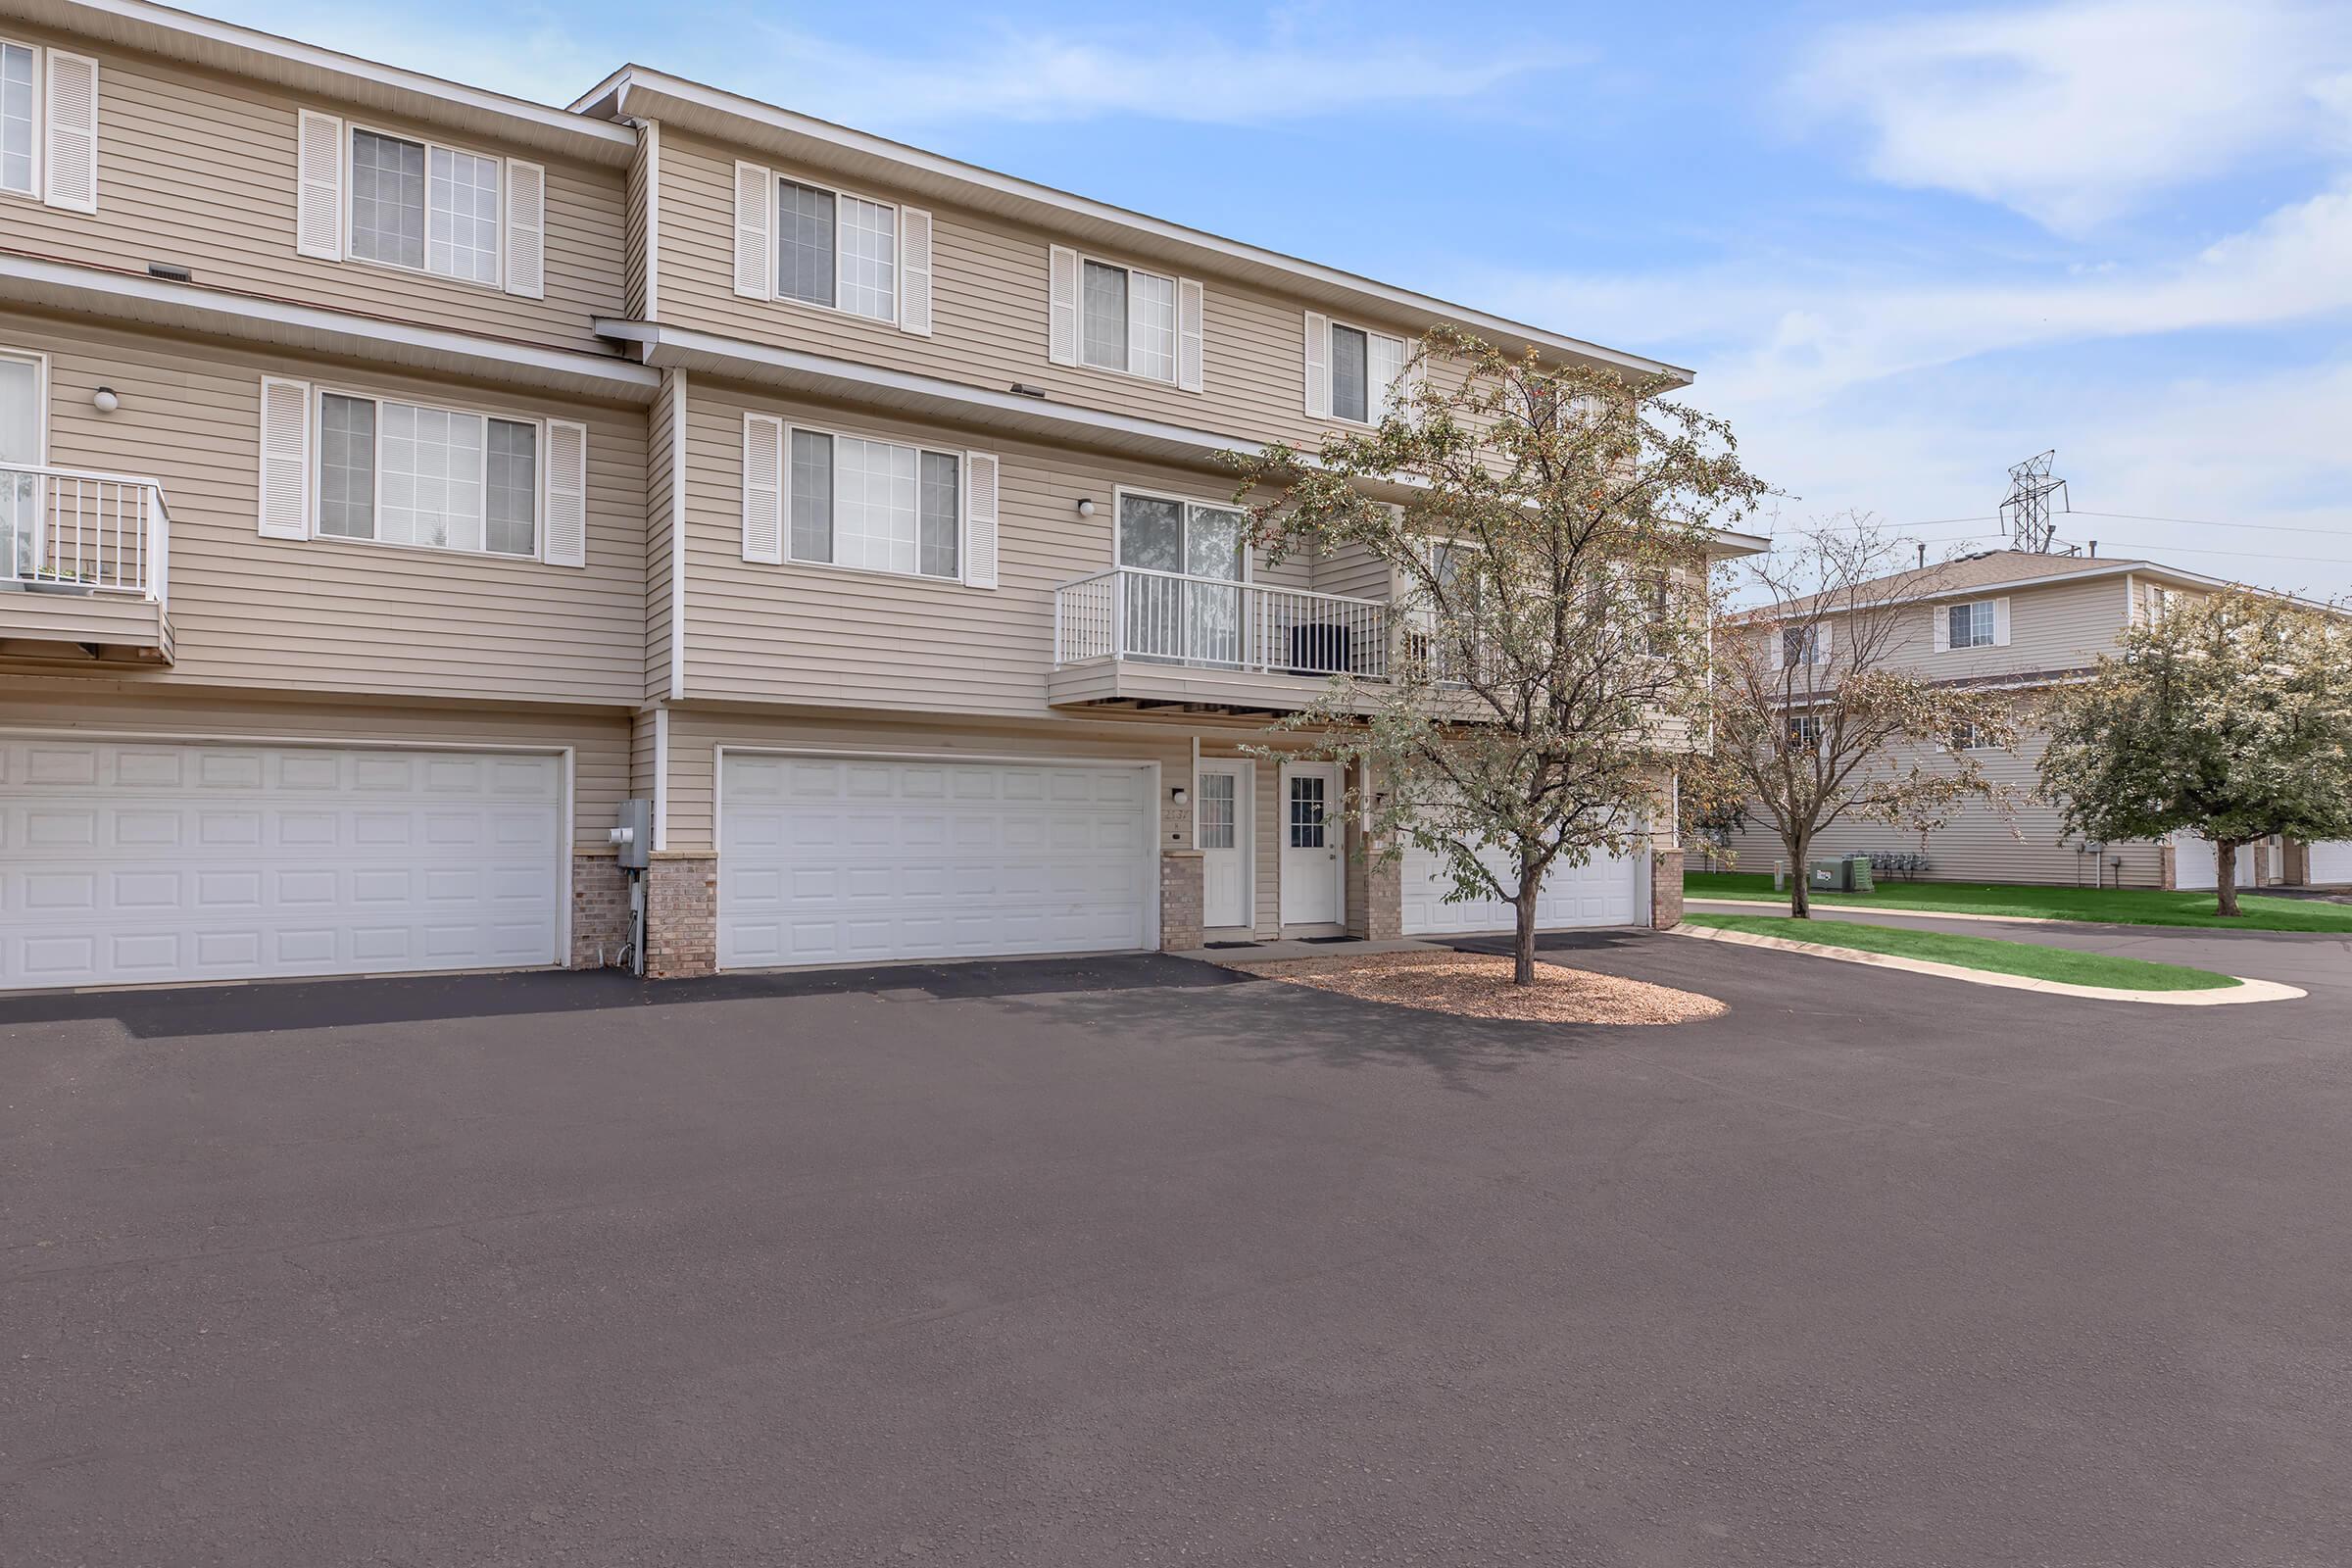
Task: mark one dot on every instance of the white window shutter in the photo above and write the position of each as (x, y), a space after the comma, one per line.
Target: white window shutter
(286, 468)
(526, 229)
(1416, 379)
(1941, 618)
(1318, 366)
(980, 504)
(915, 272)
(1824, 641)
(1189, 338)
(1776, 648)
(565, 540)
(762, 488)
(754, 197)
(1061, 285)
(2000, 622)
(318, 187)
(72, 182)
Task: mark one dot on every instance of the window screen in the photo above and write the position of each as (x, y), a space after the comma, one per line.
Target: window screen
(18, 137)
(387, 200)
(805, 246)
(1349, 367)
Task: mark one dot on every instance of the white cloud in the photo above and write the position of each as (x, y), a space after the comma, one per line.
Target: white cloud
(2075, 113)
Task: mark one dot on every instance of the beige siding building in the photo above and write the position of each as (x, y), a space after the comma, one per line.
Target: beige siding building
(2021, 622)
(397, 478)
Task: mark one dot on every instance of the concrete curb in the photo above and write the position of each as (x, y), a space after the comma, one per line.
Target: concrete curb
(1744, 904)
(2245, 990)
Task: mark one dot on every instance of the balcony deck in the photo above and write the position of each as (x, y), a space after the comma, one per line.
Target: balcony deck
(82, 566)
(1134, 639)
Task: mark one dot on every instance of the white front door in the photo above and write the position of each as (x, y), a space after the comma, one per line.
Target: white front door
(844, 859)
(19, 442)
(1222, 833)
(144, 862)
(1313, 889)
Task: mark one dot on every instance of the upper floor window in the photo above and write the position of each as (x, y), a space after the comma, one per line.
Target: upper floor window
(424, 207)
(874, 505)
(406, 473)
(1128, 320)
(837, 250)
(1353, 373)
(368, 195)
(1969, 737)
(1971, 625)
(20, 138)
(1800, 645)
(1804, 732)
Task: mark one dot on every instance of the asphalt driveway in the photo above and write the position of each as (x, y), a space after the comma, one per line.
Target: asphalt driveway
(1123, 1263)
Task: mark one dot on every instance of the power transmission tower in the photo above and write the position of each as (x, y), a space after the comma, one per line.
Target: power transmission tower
(2027, 509)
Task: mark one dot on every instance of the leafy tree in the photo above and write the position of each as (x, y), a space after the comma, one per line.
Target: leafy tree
(1819, 717)
(2229, 716)
(1548, 526)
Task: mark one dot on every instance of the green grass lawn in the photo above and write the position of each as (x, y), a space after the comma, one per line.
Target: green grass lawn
(1977, 953)
(2117, 906)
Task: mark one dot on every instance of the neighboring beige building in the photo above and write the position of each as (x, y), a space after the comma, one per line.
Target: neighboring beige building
(395, 477)
(2021, 623)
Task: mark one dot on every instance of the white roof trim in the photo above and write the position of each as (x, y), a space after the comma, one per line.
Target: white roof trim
(183, 34)
(122, 297)
(610, 98)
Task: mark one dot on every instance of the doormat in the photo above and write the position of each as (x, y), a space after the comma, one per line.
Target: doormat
(1326, 940)
(1221, 944)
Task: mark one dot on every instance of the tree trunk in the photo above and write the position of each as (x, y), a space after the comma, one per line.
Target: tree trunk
(1523, 946)
(1800, 884)
(2224, 877)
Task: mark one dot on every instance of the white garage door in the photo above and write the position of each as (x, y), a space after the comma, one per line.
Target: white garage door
(844, 860)
(123, 862)
(2194, 867)
(1605, 891)
(2329, 864)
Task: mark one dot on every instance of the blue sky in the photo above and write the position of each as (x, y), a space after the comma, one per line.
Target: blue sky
(1903, 245)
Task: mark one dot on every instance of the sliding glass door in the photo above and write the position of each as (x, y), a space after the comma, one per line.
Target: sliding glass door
(1187, 615)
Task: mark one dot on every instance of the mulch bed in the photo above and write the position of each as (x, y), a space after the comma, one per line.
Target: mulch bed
(1478, 985)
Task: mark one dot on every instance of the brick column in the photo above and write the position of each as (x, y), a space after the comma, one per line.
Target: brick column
(600, 910)
(1179, 900)
(681, 917)
(1665, 889)
(2297, 872)
(2165, 877)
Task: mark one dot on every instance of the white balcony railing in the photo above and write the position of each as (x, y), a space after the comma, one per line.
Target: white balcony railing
(69, 530)
(1163, 617)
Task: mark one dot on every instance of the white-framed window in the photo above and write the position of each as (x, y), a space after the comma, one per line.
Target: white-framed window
(836, 250)
(2160, 602)
(1126, 320)
(396, 473)
(1804, 732)
(878, 506)
(1800, 645)
(1967, 737)
(421, 207)
(1971, 625)
(1365, 368)
(19, 119)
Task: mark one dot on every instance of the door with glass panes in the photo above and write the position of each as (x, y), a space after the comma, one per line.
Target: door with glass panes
(1181, 557)
(19, 445)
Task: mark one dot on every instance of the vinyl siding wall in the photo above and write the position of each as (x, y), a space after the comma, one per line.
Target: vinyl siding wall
(600, 742)
(199, 170)
(989, 311)
(661, 483)
(817, 634)
(2061, 625)
(345, 615)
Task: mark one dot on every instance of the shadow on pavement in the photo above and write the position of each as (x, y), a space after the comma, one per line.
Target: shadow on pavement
(237, 1009)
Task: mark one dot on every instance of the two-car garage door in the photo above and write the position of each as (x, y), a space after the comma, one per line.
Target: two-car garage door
(123, 862)
(856, 861)
(1605, 891)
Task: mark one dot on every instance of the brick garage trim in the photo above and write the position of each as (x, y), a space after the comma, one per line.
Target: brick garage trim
(600, 910)
(681, 917)
(1182, 891)
(1665, 889)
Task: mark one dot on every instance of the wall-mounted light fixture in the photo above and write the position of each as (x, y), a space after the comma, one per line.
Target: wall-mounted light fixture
(1086, 507)
(1180, 795)
(105, 401)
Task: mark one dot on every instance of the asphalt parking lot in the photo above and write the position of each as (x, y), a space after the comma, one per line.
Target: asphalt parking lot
(1122, 1262)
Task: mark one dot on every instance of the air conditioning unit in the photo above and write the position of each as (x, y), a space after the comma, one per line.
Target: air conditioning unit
(1857, 874)
(1826, 876)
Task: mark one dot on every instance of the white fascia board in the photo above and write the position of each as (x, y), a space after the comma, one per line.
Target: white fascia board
(636, 90)
(305, 67)
(117, 297)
